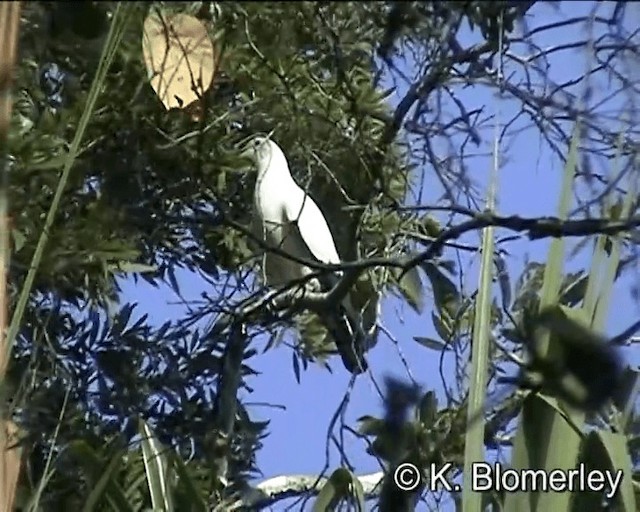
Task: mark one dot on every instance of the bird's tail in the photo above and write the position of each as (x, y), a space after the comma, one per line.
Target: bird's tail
(345, 326)
(345, 329)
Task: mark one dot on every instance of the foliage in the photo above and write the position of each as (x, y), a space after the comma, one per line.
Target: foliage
(110, 405)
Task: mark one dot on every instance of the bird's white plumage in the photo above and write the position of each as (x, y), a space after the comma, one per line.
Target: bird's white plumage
(292, 222)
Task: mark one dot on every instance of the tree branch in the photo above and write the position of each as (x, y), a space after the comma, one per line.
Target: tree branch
(278, 488)
(294, 298)
(536, 228)
(226, 398)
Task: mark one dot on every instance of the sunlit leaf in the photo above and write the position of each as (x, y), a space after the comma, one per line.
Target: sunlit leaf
(335, 488)
(157, 469)
(131, 268)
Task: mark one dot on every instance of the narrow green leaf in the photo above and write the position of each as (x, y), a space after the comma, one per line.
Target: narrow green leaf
(156, 468)
(196, 500)
(92, 463)
(535, 421)
(335, 489)
(544, 439)
(326, 497)
(606, 451)
(626, 397)
(620, 460)
(431, 343)
(54, 163)
(474, 438)
(358, 494)
(443, 329)
(128, 267)
(101, 485)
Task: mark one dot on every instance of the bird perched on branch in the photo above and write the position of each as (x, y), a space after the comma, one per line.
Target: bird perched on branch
(292, 222)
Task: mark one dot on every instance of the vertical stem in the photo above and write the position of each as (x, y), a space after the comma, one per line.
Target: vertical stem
(480, 347)
(9, 457)
(9, 25)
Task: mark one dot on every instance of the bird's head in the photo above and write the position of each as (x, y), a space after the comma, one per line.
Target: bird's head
(260, 149)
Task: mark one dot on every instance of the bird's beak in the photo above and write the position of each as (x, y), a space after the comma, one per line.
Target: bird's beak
(245, 154)
(245, 150)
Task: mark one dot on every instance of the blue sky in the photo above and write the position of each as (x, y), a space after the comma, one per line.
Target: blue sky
(528, 186)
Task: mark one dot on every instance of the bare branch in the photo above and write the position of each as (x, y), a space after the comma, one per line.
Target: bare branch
(279, 488)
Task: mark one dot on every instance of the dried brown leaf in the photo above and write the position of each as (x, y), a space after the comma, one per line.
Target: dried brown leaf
(179, 56)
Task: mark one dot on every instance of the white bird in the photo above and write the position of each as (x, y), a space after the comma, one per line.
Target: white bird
(292, 222)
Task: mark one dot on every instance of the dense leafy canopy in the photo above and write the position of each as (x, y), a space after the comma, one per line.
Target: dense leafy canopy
(154, 191)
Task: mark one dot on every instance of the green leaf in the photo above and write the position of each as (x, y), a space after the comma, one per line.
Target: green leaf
(358, 493)
(544, 439)
(370, 426)
(431, 343)
(54, 163)
(430, 226)
(335, 489)
(626, 397)
(442, 328)
(619, 456)
(296, 366)
(102, 484)
(222, 183)
(95, 468)
(428, 408)
(120, 19)
(538, 415)
(445, 294)
(410, 286)
(128, 267)
(196, 499)
(528, 285)
(614, 211)
(156, 468)
(480, 360)
(604, 450)
(18, 240)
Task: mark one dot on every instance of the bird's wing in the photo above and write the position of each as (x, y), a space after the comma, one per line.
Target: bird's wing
(280, 270)
(274, 197)
(342, 321)
(301, 210)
